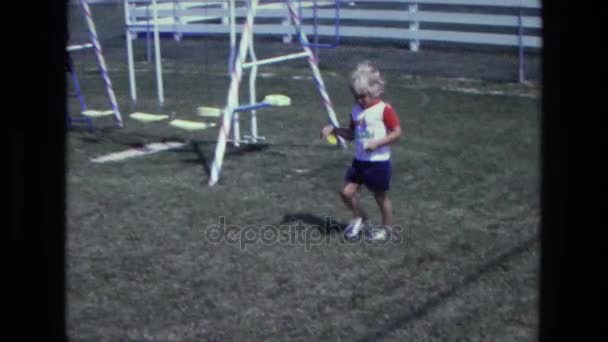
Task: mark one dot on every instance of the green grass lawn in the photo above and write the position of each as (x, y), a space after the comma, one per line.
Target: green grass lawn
(144, 263)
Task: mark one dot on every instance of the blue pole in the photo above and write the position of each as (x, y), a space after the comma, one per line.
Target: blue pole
(83, 105)
(251, 107)
(316, 44)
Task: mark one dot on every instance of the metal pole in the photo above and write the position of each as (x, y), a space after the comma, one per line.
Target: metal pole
(83, 105)
(157, 57)
(129, 37)
(316, 31)
(232, 21)
(233, 93)
(252, 93)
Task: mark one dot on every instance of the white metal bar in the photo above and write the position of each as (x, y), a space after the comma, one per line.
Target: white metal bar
(168, 5)
(252, 91)
(129, 38)
(173, 21)
(489, 3)
(384, 33)
(432, 16)
(157, 57)
(78, 47)
(480, 38)
(275, 59)
(380, 15)
(375, 15)
(220, 147)
(236, 130)
(232, 37)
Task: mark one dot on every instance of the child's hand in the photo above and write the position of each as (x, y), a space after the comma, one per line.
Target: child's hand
(371, 145)
(326, 131)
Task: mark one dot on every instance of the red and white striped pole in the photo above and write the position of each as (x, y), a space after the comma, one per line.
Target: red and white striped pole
(101, 61)
(233, 95)
(314, 66)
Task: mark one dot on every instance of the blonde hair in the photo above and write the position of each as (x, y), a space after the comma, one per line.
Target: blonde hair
(366, 80)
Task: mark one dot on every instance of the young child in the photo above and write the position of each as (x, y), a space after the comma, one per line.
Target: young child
(374, 125)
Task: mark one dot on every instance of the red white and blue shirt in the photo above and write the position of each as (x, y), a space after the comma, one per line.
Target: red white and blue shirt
(372, 123)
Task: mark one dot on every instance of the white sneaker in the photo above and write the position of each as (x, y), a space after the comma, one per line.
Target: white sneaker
(377, 234)
(354, 228)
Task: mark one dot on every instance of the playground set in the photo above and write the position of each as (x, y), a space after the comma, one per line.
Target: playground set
(241, 58)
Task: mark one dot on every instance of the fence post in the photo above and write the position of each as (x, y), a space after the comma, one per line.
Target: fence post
(225, 10)
(232, 26)
(148, 35)
(157, 57)
(130, 37)
(520, 43)
(414, 26)
(287, 37)
(177, 20)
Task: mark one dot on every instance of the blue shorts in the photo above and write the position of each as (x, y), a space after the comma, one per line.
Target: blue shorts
(376, 175)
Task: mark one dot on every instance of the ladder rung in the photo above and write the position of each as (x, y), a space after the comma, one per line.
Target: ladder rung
(250, 137)
(276, 59)
(79, 47)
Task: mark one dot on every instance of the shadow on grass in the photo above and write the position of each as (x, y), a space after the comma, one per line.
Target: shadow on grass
(230, 149)
(137, 139)
(81, 127)
(434, 302)
(245, 149)
(201, 158)
(324, 224)
(205, 159)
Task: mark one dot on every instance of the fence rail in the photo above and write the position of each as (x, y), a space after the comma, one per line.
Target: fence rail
(401, 20)
(506, 23)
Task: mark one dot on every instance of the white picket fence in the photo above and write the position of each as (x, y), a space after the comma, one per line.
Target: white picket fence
(506, 23)
(397, 20)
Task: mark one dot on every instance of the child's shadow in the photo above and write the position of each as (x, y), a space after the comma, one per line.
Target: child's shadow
(325, 224)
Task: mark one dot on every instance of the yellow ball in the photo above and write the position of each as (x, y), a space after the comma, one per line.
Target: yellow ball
(331, 139)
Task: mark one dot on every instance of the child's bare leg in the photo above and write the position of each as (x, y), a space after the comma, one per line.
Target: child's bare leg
(350, 198)
(386, 208)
